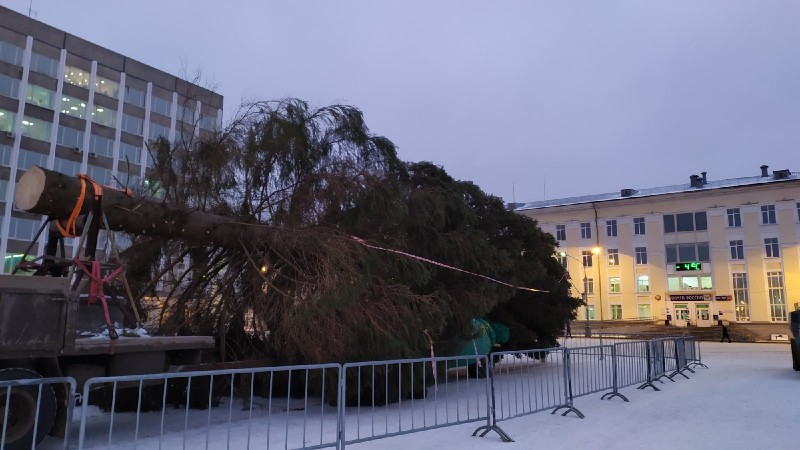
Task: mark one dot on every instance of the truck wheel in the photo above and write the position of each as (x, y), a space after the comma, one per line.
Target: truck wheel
(795, 354)
(20, 406)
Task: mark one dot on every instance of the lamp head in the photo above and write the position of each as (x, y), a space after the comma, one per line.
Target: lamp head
(562, 254)
(596, 250)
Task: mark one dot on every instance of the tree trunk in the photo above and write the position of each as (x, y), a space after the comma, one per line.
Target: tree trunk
(55, 195)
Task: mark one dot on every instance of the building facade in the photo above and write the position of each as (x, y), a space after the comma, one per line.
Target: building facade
(75, 107)
(692, 253)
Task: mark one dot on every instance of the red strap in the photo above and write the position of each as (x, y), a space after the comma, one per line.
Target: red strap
(96, 289)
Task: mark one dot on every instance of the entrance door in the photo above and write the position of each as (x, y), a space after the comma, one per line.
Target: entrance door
(681, 315)
(702, 315)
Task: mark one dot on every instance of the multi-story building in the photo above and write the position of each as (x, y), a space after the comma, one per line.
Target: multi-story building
(75, 107)
(696, 252)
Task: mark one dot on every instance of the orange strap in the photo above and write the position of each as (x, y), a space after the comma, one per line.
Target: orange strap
(69, 229)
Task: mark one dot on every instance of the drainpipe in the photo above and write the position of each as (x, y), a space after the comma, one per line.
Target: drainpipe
(599, 259)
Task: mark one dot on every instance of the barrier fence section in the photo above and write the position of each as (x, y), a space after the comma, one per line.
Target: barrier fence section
(281, 407)
(332, 405)
(439, 392)
(528, 381)
(37, 396)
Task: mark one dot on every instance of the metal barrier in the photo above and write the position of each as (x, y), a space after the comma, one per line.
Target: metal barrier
(35, 398)
(277, 407)
(442, 392)
(330, 405)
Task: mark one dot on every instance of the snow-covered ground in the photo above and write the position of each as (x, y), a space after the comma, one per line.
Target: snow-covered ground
(748, 398)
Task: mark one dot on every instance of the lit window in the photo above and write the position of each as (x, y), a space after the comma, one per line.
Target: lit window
(36, 128)
(106, 87)
(616, 312)
(77, 77)
(104, 116)
(777, 297)
(7, 119)
(588, 285)
(613, 257)
(74, 107)
(587, 258)
(40, 96)
(613, 284)
(643, 283)
(741, 297)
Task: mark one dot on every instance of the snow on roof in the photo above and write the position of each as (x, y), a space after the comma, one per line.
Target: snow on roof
(673, 189)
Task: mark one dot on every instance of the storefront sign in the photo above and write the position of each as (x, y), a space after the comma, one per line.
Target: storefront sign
(689, 297)
(723, 298)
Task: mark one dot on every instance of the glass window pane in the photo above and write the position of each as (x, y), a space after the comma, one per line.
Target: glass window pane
(106, 87)
(703, 253)
(669, 223)
(686, 252)
(134, 96)
(9, 87)
(700, 221)
(36, 129)
(684, 221)
(73, 106)
(672, 253)
(44, 65)
(7, 119)
(689, 283)
(705, 282)
(40, 96)
(104, 116)
(674, 283)
(78, 77)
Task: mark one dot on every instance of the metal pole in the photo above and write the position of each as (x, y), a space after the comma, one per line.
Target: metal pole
(588, 329)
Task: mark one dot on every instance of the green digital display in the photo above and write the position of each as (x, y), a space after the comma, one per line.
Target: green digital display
(684, 266)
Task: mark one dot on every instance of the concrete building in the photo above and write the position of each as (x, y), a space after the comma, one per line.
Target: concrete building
(73, 106)
(695, 252)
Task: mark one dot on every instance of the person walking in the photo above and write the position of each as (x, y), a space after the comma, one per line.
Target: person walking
(725, 334)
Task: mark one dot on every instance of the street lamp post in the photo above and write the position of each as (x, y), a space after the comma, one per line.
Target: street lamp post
(596, 250)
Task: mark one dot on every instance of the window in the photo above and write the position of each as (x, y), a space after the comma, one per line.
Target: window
(772, 248)
(644, 312)
(643, 283)
(40, 96)
(685, 222)
(734, 217)
(69, 137)
(22, 229)
(160, 106)
(641, 255)
(613, 257)
(106, 87)
(28, 159)
(130, 153)
(134, 96)
(777, 299)
(73, 106)
(638, 226)
(586, 230)
(587, 258)
(101, 146)
(561, 230)
(689, 283)
(3, 189)
(768, 214)
(611, 228)
(208, 122)
(104, 116)
(9, 87)
(616, 312)
(588, 285)
(100, 174)
(590, 312)
(78, 77)
(741, 297)
(688, 252)
(5, 155)
(7, 119)
(798, 211)
(157, 130)
(562, 259)
(186, 114)
(613, 284)
(131, 124)
(36, 129)
(44, 65)
(66, 166)
(11, 53)
(737, 249)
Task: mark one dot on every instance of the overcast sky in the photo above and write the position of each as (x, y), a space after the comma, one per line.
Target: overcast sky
(528, 99)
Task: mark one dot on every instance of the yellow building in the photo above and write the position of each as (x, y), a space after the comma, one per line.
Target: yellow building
(696, 252)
